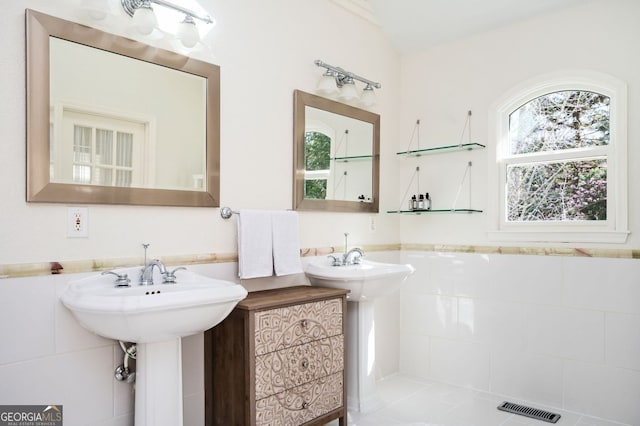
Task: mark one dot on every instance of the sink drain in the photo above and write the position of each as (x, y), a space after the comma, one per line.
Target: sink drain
(531, 412)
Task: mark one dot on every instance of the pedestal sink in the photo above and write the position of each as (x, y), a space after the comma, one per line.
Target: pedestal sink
(155, 317)
(367, 281)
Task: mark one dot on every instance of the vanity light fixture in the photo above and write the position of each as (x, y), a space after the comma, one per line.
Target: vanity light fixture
(145, 21)
(337, 81)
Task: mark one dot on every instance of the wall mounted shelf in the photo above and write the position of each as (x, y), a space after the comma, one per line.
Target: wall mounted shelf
(468, 211)
(442, 149)
(352, 158)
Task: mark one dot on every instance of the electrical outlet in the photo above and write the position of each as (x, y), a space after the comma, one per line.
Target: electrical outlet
(78, 222)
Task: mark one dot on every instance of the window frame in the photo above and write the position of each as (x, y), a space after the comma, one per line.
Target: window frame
(612, 230)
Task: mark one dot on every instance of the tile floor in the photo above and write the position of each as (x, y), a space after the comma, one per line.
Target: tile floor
(416, 402)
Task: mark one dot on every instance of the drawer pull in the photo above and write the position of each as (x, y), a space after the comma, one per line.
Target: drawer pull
(305, 405)
(305, 363)
(304, 323)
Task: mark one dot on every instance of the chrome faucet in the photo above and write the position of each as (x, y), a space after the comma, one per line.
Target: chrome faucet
(147, 272)
(353, 256)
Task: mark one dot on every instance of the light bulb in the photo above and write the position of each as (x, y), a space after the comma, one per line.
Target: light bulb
(348, 93)
(144, 20)
(327, 84)
(368, 97)
(187, 32)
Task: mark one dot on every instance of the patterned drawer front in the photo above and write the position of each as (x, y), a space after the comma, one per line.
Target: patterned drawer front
(281, 328)
(301, 404)
(294, 366)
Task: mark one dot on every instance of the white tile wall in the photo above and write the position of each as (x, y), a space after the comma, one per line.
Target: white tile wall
(35, 318)
(559, 331)
(602, 390)
(622, 340)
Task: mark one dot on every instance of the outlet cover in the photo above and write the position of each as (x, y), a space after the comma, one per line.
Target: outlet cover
(78, 222)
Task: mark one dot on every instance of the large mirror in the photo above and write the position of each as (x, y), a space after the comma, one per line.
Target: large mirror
(336, 150)
(115, 121)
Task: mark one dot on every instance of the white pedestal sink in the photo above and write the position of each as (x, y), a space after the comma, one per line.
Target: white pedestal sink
(367, 281)
(155, 317)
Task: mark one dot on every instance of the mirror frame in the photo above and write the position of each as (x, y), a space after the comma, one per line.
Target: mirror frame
(39, 27)
(300, 101)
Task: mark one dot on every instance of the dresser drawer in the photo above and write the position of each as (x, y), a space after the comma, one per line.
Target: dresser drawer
(297, 365)
(301, 404)
(281, 328)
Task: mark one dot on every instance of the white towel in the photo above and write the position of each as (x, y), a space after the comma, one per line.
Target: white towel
(255, 244)
(286, 245)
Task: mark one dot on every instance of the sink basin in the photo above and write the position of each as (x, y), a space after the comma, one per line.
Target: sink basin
(366, 280)
(156, 317)
(158, 312)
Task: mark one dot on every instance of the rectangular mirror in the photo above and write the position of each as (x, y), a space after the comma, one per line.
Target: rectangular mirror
(114, 121)
(336, 156)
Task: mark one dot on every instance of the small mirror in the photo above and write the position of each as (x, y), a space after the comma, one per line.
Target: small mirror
(114, 121)
(336, 151)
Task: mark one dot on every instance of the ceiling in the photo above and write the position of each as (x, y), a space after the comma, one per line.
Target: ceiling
(413, 25)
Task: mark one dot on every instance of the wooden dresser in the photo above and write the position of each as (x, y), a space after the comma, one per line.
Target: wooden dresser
(278, 360)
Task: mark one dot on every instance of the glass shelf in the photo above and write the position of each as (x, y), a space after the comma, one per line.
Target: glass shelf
(435, 211)
(353, 158)
(442, 149)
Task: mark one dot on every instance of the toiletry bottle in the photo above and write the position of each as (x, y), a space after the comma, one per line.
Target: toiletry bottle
(427, 201)
(414, 203)
(421, 202)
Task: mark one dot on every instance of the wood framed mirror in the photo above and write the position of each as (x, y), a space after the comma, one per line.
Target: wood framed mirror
(336, 156)
(115, 121)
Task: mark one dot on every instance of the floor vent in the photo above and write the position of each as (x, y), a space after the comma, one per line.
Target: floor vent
(533, 413)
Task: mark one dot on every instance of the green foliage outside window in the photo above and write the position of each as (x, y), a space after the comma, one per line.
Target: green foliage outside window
(317, 157)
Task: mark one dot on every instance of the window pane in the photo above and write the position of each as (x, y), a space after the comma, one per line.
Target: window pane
(102, 176)
(317, 151)
(125, 150)
(81, 174)
(104, 146)
(82, 144)
(315, 188)
(557, 191)
(560, 120)
(123, 178)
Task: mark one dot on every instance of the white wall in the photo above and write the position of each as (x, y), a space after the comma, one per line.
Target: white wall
(265, 51)
(441, 84)
(560, 331)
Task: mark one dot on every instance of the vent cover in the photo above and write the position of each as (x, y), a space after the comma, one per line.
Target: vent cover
(533, 413)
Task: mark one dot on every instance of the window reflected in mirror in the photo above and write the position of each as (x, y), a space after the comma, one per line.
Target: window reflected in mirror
(115, 121)
(336, 155)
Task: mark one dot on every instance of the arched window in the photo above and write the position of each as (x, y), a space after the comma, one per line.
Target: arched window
(319, 139)
(561, 160)
(317, 164)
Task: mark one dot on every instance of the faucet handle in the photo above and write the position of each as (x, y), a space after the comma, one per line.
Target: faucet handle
(337, 261)
(169, 277)
(122, 280)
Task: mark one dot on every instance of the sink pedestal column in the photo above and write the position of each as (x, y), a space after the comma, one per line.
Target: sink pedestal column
(361, 371)
(158, 394)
